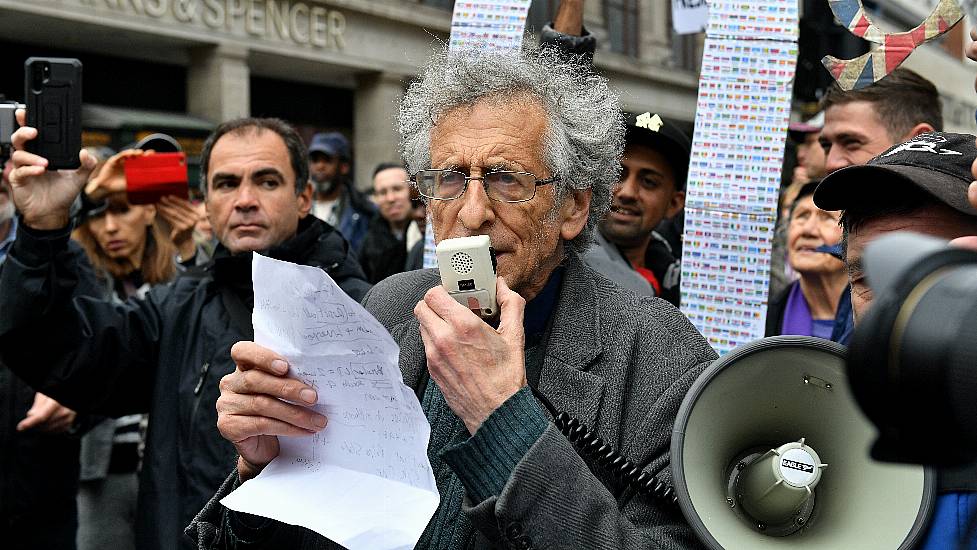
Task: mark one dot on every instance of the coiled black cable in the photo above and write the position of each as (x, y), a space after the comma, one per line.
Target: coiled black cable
(603, 457)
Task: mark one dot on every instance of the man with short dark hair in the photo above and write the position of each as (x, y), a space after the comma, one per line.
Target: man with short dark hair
(384, 250)
(337, 201)
(165, 354)
(861, 124)
(919, 186)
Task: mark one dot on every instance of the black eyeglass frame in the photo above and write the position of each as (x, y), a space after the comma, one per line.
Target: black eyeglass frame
(536, 183)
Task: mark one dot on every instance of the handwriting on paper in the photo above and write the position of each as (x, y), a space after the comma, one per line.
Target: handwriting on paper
(373, 452)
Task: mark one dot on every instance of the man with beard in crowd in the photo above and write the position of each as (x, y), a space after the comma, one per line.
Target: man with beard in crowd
(337, 201)
(652, 189)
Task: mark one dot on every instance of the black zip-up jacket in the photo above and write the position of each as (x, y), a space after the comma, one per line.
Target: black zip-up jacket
(382, 254)
(163, 355)
(38, 470)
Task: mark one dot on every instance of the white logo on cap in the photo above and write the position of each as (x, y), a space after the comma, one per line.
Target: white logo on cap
(926, 144)
(653, 123)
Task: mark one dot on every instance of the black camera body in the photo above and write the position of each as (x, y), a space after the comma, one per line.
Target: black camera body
(8, 125)
(912, 360)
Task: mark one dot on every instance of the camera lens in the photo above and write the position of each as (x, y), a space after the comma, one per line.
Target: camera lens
(913, 361)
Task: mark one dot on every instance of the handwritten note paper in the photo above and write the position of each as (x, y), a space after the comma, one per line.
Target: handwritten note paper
(364, 481)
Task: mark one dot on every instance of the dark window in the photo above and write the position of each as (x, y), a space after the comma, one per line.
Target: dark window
(307, 104)
(622, 26)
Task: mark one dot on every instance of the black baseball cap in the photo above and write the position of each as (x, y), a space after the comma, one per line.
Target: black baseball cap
(662, 135)
(937, 162)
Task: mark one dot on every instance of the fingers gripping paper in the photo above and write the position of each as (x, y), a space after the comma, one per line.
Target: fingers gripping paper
(893, 48)
(365, 480)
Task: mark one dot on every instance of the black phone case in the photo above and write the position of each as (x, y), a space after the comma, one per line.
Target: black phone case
(52, 88)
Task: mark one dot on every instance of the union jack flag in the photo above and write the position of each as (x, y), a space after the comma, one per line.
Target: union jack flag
(894, 48)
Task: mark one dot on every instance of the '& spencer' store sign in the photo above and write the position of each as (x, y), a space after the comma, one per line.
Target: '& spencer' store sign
(286, 20)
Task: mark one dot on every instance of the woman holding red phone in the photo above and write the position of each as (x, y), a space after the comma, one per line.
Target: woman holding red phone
(177, 215)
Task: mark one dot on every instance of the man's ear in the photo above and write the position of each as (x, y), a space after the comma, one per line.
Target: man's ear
(675, 205)
(344, 167)
(921, 128)
(305, 200)
(574, 212)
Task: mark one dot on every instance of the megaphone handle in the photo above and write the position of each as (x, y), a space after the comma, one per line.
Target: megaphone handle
(602, 456)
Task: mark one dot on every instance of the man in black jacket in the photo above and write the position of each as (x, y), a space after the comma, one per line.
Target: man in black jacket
(163, 355)
(38, 439)
(384, 249)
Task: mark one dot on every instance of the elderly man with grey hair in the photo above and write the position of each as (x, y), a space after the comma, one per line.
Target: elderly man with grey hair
(523, 148)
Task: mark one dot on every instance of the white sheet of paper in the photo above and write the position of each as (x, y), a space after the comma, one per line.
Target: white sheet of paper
(364, 481)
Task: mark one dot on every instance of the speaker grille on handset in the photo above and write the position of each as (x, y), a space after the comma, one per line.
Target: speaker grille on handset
(462, 263)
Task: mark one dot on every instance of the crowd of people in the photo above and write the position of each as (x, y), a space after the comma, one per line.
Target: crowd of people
(132, 398)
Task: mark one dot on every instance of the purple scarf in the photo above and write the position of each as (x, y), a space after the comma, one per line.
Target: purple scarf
(797, 315)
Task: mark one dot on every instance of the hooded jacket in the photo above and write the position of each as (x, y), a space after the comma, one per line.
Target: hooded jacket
(164, 355)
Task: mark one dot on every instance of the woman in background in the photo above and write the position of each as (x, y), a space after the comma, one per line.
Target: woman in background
(818, 303)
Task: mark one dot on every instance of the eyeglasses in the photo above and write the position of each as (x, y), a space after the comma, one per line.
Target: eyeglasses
(501, 186)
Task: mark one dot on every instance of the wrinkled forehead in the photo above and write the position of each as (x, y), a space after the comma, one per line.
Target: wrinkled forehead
(491, 131)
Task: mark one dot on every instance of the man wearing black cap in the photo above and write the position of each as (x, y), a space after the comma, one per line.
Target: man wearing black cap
(337, 201)
(919, 186)
(652, 189)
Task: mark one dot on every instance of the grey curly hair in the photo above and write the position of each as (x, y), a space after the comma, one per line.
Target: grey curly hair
(585, 131)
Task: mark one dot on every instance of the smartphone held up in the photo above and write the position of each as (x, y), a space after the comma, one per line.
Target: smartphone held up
(52, 90)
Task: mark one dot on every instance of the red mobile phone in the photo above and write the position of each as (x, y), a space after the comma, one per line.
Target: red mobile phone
(151, 177)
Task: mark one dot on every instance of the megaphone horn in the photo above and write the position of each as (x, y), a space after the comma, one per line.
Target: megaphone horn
(770, 450)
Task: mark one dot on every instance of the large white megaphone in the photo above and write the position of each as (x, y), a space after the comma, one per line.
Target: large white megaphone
(770, 451)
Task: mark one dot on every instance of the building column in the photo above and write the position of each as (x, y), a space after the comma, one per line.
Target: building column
(218, 86)
(655, 21)
(375, 137)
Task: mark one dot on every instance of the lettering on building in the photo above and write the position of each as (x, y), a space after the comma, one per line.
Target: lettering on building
(284, 20)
